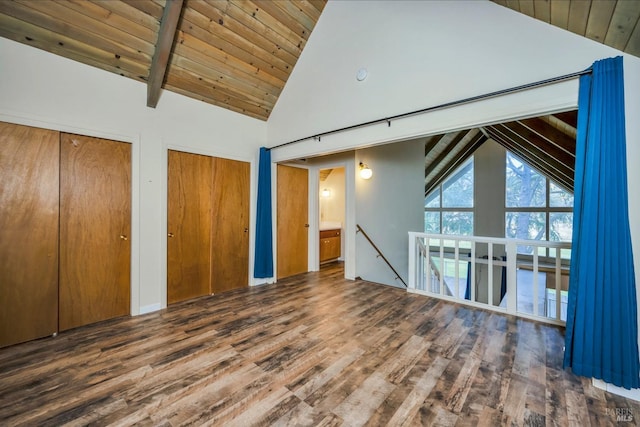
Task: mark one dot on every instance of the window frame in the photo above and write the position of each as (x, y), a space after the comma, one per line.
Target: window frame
(441, 210)
(547, 209)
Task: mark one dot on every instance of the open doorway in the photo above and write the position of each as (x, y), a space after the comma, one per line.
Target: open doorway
(332, 214)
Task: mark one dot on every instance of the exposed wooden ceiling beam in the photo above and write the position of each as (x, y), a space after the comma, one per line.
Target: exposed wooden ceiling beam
(561, 126)
(544, 147)
(166, 35)
(430, 145)
(529, 152)
(539, 129)
(445, 152)
(457, 161)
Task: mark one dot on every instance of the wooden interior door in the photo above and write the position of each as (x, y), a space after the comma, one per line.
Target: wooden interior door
(292, 220)
(95, 224)
(188, 226)
(230, 225)
(29, 160)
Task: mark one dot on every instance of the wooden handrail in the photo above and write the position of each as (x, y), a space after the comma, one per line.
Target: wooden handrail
(360, 230)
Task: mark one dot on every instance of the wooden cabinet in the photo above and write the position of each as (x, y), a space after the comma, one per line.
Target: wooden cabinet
(329, 245)
(64, 231)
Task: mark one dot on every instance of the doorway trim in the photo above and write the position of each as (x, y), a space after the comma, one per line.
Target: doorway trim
(349, 226)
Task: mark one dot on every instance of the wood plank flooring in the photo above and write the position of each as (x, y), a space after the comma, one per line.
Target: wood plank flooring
(313, 349)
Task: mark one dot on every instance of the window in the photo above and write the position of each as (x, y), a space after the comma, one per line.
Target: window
(449, 208)
(536, 208)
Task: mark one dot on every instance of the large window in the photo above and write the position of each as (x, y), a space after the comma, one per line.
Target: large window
(535, 207)
(449, 208)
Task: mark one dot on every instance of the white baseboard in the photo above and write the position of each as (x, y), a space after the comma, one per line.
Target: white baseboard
(263, 281)
(634, 393)
(150, 308)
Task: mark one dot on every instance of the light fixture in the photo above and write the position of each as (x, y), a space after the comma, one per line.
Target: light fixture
(365, 171)
(362, 74)
(326, 193)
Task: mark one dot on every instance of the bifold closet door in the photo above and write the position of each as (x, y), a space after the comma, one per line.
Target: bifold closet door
(188, 226)
(293, 220)
(230, 225)
(95, 223)
(28, 233)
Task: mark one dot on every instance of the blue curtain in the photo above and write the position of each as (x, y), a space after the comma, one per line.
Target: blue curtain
(263, 267)
(601, 336)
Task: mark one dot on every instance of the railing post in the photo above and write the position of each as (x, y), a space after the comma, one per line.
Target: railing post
(427, 285)
(456, 259)
(472, 279)
(413, 248)
(535, 286)
(442, 281)
(558, 285)
(512, 278)
(490, 273)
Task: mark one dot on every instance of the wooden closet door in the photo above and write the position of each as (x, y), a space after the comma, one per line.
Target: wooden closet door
(230, 225)
(29, 160)
(292, 217)
(95, 223)
(188, 226)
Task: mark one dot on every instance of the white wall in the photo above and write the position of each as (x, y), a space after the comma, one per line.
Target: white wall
(489, 189)
(44, 90)
(422, 54)
(388, 206)
(332, 208)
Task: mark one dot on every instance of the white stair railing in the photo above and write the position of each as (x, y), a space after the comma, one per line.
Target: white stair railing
(492, 273)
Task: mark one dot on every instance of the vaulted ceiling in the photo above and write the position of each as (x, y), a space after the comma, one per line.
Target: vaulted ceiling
(237, 54)
(548, 143)
(611, 22)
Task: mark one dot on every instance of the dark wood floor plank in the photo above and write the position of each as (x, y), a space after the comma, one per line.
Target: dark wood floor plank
(314, 349)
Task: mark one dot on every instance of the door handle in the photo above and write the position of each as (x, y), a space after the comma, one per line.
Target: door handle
(306, 226)
(123, 237)
(246, 230)
(170, 234)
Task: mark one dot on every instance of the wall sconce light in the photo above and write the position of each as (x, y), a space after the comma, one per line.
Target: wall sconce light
(365, 171)
(326, 193)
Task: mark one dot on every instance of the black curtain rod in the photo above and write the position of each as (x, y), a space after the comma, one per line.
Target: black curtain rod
(445, 105)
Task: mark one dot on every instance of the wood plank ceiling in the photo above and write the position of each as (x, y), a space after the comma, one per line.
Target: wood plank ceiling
(547, 143)
(236, 54)
(614, 23)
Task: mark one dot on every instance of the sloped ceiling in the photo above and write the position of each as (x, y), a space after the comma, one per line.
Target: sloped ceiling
(610, 22)
(547, 143)
(236, 54)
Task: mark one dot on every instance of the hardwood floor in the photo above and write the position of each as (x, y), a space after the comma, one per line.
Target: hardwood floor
(313, 349)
